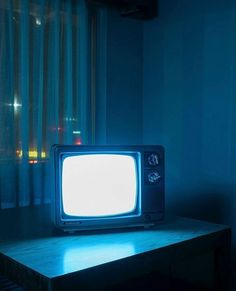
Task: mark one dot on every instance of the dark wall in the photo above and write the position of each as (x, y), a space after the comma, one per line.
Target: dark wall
(189, 104)
(124, 80)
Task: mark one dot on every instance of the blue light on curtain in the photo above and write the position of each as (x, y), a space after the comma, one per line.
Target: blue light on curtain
(44, 48)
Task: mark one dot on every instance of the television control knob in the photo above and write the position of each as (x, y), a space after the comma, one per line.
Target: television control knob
(153, 159)
(153, 177)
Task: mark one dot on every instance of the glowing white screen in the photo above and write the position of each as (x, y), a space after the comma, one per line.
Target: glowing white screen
(99, 185)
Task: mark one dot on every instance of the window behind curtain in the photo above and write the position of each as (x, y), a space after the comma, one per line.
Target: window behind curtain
(44, 57)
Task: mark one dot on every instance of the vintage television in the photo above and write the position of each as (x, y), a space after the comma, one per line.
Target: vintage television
(101, 187)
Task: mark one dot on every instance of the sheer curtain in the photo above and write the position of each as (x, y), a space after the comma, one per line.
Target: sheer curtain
(44, 87)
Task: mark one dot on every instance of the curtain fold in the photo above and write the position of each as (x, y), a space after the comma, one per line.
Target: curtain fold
(44, 81)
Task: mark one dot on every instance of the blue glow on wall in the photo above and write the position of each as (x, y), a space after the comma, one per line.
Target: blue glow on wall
(189, 104)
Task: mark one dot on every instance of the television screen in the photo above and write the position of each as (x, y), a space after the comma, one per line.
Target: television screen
(107, 186)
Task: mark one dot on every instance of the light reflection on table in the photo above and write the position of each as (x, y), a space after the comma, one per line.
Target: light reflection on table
(79, 258)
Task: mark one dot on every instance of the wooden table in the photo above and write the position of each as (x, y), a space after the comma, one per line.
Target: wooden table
(94, 261)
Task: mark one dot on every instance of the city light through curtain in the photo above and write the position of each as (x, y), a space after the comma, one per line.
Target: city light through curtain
(44, 55)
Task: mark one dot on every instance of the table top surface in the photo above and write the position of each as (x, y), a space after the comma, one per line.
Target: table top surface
(62, 254)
